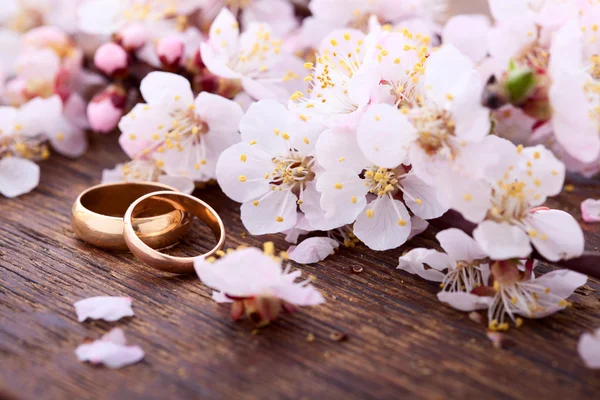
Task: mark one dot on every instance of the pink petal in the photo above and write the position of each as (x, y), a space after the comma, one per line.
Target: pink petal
(313, 250)
(110, 350)
(108, 308)
(589, 349)
(464, 301)
(590, 210)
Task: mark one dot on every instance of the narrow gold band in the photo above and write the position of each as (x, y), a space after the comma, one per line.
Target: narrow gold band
(184, 203)
(97, 216)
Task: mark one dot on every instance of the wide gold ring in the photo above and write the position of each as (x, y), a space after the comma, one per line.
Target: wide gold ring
(97, 216)
(179, 201)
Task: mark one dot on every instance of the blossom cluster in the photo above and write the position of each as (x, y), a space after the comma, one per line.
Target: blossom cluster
(347, 121)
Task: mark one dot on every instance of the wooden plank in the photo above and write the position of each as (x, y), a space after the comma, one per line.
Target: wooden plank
(401, 341)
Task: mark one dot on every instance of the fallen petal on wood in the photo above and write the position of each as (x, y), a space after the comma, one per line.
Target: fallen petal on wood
(590, 210)
(108, 308)
(111, 350)
(313, 250)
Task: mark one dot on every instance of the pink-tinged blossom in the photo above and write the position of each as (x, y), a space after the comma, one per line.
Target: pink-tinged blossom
(106, 109)
(366, 189)
(108, 308)
(511, 218)
(313, 250)
(590, 210)
(357, 13)
(462, 268)
(146, 171)
(575, 95)
(467, 33)
(170, 51)
(255, 58)
(340, 84)
(516, 293)
(111, 59)
(279, 14)
(256, 283)
(110, 350)
(105, 17)
(185, 136)
(589, 349)
(18, 176)
(133, 37)
(26, 132)
(271, 169)
(440, 115)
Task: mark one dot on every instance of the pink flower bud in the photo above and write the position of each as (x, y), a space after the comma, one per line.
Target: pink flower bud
(133, 37)
(106, 109)
(111, 59)
(170, 51)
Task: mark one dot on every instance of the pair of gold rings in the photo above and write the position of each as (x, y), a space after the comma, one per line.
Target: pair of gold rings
(143, 217)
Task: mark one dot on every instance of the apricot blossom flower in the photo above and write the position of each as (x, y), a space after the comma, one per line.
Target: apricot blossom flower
(256, 284)
(185, 136)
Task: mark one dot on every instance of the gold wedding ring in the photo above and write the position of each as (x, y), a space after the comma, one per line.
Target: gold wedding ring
(185, 204)
(97, 216)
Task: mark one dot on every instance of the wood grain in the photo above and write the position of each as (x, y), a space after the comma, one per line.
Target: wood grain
(402, 343)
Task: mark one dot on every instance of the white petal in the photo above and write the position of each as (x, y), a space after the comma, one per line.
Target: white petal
(472, 198)
(315, 215)
(547, 173)
(562, 283)
(342, 194)
(590, 210)
(447, 72)
(468, 33)
(165, 88)
(18, 176)
(338, 149)
(108, 308)
(424, 201)
(507, 39)
(100, 17)
(250, 162)
(220, 297)
(224, 32)
(471, 118)
(242, 273)
(558, 235)
(589, 349)
(417, 226)
(221, 115)
(265, 122)
(502, 241)
(459, 246)
(68, 139)
(7, 120)
(300, 295)
(415, 260)
(37, 115)
(181, 183)
(465, 301)
(106, 351)
(383, 225)
(216, 61)
(384, 135)
(274, 213)
(573, 127)
(278, 13)
(506, 9)
(313, 250)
